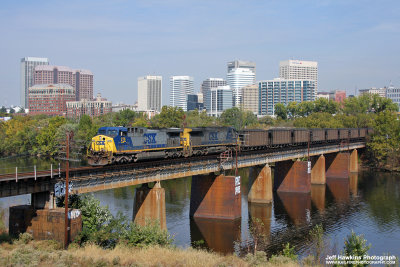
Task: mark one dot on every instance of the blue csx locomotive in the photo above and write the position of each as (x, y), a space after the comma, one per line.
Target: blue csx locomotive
(130, 144)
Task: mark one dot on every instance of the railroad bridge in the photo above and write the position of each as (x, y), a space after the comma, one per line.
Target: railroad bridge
(213, 194)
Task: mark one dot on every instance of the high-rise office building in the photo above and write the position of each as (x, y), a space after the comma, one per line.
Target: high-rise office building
(149, 93)
(250, 98)
(272, 92)
(207, 85)
(80, 80)
(220, 100)
(28, 65)
(194, 103)
(242, 64)
(299, 69)
(180, 87)
(240, 73)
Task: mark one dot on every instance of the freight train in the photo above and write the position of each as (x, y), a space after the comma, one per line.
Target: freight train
(130, 144)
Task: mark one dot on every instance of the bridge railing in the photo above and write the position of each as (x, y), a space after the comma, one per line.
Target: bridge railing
(31, 171)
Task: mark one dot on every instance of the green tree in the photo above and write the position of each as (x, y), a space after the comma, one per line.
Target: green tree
(12, 111)
(326, 106)
(380, 104)
(125, 117)
(141, 122)
(292, 109)
(3, 109)
(18, 136)
(305, 108)
(237, 118)
(46, 139)
(266, 120)
(385, 141)
(195, 118)
(85, 132)
(169, 117)
(281, 111)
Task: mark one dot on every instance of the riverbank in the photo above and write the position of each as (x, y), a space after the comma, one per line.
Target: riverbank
(50, 253)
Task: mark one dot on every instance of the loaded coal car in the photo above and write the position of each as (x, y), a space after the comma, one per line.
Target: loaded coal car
(332, 135)
(300, 136)
(279, 137)
(343, 134)
(317, 136)
(363, 132)
(354, 133)
(252, 139)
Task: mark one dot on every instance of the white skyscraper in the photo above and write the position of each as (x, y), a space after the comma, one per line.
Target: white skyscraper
(240, 74)
(28, 65)
(298, 69)
(180, 86)
(149, 93)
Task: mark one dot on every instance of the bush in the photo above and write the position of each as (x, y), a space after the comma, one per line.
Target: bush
(289, 252)
(105, 230)
(355, 245)
(25, 238)
(150, 234)
(256, 259)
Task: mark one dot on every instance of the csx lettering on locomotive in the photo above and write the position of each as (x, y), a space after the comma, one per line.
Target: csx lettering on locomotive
(150, 138)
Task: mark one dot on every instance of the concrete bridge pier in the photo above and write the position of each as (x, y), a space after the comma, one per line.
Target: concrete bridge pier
(215, 197)
(150, 205)
(292, 176)
(260, 186)
(354, 161)
(340, 165)
(318, 172)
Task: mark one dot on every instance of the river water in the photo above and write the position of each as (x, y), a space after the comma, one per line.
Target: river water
(368, 203)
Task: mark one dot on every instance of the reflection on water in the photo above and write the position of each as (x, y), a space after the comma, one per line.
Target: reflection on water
(368, 203)
(218, 235)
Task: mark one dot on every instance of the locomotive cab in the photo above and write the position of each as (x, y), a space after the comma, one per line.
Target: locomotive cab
(103, 146)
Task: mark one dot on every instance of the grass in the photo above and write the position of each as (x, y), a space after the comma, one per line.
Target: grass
(50, 253)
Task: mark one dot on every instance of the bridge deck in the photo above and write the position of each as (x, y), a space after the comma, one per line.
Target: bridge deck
(90, 179)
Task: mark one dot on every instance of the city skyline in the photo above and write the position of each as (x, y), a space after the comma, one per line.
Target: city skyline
(121, 41)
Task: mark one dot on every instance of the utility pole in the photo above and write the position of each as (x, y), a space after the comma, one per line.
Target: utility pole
(66, 222)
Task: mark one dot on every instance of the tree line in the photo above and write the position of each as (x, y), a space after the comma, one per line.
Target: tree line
(41, 135)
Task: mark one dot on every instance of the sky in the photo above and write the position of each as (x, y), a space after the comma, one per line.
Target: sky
(356, 42)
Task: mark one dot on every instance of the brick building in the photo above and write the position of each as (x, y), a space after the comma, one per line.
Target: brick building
(94, 107)
(50, 99)
(80, 80)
